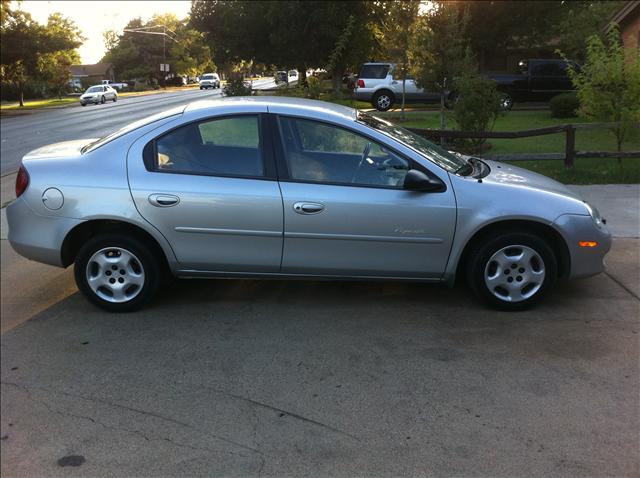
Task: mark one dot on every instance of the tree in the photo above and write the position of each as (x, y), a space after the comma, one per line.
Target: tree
(440, 52)
(608, 84)
(23, 41)
(394, 31)
(138, 55)
(55, 69)
(290, 34)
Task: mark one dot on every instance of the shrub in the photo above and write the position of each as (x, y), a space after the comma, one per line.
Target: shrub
(237, 87)
(314, 87)
(564, 106)
(478, 105)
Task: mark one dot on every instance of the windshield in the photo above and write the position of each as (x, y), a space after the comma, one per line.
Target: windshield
(443, 158)
(207, 77)
(132, 126)
(95, 89)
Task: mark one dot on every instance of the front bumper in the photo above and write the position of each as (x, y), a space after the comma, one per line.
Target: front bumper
(585, 261)
(37, 237)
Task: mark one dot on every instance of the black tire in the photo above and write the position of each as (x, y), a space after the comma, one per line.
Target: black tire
(144, 259)
(83, 104)
(115, 98)
(201, 87)
(102, 100)
(506, 101)
(480, 264)
(383, 100)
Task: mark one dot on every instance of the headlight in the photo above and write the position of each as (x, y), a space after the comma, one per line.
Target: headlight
(595, 215)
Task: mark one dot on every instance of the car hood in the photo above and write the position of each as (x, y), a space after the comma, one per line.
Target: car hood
(59, 150)
(508, 175)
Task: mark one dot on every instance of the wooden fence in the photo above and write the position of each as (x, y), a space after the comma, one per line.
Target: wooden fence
(568, 156)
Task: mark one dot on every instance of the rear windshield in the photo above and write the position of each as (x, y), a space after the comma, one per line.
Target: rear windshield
(132, 126)
(377, 72)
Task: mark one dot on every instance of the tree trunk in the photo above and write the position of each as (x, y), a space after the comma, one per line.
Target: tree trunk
(21, 96)
(619, 143)
(442, 122)
(404, 84)
(302, 76)
(337, 80)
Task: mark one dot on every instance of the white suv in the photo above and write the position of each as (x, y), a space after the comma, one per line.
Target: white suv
(376, 83)
(209, 80)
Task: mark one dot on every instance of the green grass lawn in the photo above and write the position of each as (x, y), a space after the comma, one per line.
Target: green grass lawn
(585, 171)
(37, 104)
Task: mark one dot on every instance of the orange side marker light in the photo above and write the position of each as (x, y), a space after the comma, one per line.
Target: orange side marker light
(587, 244)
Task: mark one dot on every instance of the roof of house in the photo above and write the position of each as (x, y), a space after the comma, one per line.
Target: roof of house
(629, 9)
(90, 70)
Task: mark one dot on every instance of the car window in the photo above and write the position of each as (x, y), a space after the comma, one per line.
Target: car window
(95, 89)
(377, 72)
(321, 152)
(225, 146)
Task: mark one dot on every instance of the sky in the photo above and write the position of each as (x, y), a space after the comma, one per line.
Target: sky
(95, 17)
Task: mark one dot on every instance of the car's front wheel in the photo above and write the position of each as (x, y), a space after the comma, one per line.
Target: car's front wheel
(383, 100)
(115, 98)
(512, 271)
(116, 272)
(83, 103)
(102, 100)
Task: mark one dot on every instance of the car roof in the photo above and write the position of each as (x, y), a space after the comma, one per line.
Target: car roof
(274, 104)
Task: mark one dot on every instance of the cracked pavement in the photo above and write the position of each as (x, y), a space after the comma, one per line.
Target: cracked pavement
(283, 378)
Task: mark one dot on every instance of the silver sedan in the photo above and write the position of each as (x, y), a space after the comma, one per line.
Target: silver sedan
(291, 188)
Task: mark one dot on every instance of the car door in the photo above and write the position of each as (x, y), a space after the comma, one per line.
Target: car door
(209, 187)
(346, 212)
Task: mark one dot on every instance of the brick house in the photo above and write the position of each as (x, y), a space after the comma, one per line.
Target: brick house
(628, 20)
(91, 74)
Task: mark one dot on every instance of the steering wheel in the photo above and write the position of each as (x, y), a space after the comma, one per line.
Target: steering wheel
(365, 153)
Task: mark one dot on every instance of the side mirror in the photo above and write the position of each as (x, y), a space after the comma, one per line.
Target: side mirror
(418, 181)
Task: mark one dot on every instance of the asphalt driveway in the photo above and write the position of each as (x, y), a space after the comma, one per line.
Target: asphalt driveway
(282, 378)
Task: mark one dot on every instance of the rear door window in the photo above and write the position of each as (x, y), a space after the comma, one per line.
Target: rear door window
(377, 72)
(226, 146)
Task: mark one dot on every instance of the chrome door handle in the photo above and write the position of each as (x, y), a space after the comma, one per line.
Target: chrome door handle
(308, 207)
(164, 200)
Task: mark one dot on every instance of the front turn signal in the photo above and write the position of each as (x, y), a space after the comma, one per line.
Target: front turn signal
(588, 244)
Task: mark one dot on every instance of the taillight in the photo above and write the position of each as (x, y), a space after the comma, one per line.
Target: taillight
(22, 181)
(360, 83)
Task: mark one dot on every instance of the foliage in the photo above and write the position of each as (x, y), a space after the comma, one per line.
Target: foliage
(289, 34)
(54, 68)
(314, 87)
(440, 52)
(608, 85)
(237, 87)
(478, 105)
(394, 32)
(564, 105)
(23, 41)
(138, 55)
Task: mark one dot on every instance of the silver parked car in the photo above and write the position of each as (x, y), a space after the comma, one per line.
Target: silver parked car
(380, 84)
(292, 188)
(98, 94)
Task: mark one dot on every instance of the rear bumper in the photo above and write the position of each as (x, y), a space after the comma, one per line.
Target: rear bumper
(585, 261)
(362, 95)
(37, 237)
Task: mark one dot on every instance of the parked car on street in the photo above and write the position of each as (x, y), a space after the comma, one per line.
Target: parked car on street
(291, 188)
(209, 80)
(539, 80)
(114, 85)
(377, 84)
(98, 94)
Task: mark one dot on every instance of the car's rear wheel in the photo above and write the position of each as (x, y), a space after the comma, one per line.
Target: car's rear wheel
(506, 102)
(117, 273)
(383, 100)
(512, 271)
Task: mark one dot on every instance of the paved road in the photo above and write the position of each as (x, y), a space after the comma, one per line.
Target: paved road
(284, 378)
(21, 134)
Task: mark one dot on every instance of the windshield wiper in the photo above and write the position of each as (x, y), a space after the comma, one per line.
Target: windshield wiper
(465, 170)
